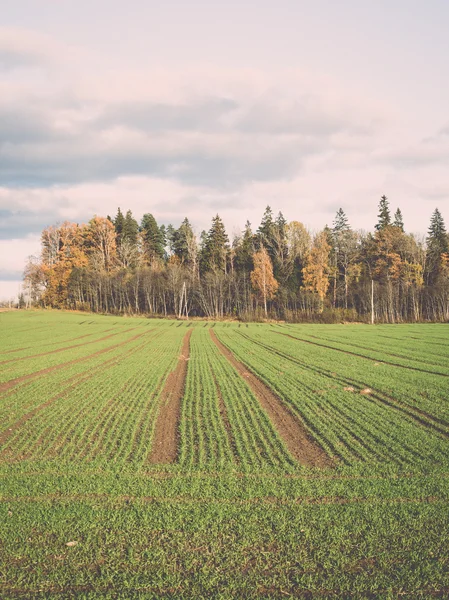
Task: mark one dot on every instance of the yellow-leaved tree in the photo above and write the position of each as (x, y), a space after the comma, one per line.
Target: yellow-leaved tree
(317, 269)
(262, 277)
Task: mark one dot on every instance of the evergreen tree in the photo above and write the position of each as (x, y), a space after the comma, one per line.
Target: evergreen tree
(340, 223)
(184, 244)
(245, 250)
(437, 244)
(216, 247)
(130, 229)
(169, 238)
(266, 230)
(398, 220)
(118, 223)
(153, 240)
(384, 214)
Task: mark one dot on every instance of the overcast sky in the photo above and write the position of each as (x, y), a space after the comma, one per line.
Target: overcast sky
(189, 108)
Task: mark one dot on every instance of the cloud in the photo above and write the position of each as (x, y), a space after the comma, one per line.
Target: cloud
(14, 253)
(25, 48)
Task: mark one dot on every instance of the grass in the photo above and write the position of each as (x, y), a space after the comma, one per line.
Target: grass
(235, 515)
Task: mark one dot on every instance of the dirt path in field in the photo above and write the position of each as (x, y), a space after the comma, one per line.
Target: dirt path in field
(71, 383)
(4, 387)
(165, 442)
(295, 436)
(15, 360)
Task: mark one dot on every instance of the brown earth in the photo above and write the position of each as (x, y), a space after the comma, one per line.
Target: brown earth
(165, 442)
(293, 432)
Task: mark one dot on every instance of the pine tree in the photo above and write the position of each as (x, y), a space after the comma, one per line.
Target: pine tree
(130, 229)
(169, 238)
(118, 222)
(266, 230)
(216, 247)
(437, 244)
(398, 220)
(341, 222)
(153, 241)
(384, 214)
(185, 245)
(245, 250)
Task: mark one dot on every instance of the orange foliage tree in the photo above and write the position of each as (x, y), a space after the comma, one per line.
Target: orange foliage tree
(317, 269)
(262, 277)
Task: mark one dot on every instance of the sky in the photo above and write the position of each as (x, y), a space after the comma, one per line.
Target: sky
(189, 108)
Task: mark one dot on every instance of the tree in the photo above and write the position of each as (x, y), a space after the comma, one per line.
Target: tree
(384, 214)
(130, 229)
(152, 239)
(437, 245)
(398, 220)
(244, 250)
(262, 277)
(101, 243)
(216, 247)
(266, 230)
(341, 223)
(118, 222)
(184, 245)
(316, 271)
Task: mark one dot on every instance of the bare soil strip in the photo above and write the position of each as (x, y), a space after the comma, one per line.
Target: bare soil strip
(4, 362)
(299, 442)
(73, 382)
(165, 441)
(13, 382)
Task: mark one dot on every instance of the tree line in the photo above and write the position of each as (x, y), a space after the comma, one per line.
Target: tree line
(280, 271)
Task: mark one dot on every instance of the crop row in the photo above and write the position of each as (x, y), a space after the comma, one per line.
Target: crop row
(223, 424)
(351, 426)
(109, 416)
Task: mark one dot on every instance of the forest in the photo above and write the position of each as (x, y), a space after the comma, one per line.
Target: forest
(280, 271)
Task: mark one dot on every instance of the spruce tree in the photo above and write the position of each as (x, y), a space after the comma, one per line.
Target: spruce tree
(266, 229)
(130, 229)
(341, 222)
(216, 247)
(384, 214)
(182, 241)
(245, 250)
(398, 220)
(152, 238)
(437, 244)
(169, 237)
(118, 222)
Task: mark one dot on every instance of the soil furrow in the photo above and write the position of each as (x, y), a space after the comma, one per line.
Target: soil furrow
(299, 442)
(165, 441)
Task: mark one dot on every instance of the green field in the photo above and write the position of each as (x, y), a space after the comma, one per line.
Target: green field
(144, 458)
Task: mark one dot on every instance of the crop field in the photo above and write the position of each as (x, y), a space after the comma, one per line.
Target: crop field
(143, 458)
